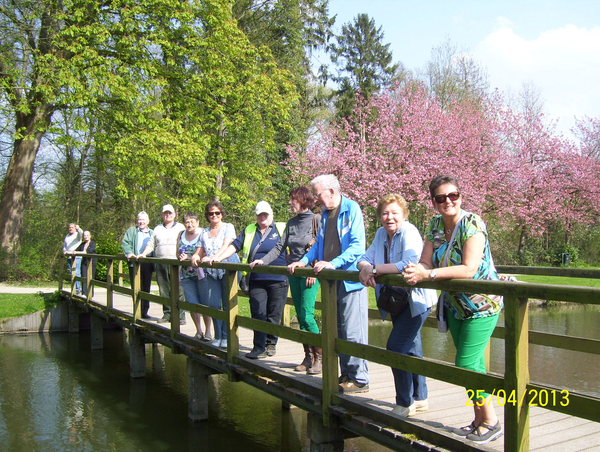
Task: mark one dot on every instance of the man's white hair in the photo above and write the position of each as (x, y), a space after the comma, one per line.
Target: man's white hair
(327, 181)
(144, 215)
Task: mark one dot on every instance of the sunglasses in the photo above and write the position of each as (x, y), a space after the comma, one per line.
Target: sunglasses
(441, 199)
(214, 214)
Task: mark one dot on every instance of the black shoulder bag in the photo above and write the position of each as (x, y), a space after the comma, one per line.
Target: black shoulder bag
(393, 299)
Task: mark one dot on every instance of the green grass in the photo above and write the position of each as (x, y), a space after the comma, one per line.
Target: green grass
(561, 280)
(15, 305)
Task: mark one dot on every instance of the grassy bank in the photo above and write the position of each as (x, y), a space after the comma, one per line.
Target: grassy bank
(16, 305)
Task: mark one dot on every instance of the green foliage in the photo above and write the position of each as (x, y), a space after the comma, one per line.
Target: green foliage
(106, 243)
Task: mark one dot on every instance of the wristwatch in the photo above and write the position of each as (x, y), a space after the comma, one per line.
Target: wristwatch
(432, 275)
(375, 271)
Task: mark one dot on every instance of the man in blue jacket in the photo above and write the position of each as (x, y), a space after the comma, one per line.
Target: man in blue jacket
(339, 243)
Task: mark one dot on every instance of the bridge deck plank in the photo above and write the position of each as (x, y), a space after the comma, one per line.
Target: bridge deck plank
(549, 431)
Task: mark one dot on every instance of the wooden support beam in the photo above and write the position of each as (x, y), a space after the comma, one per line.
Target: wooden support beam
(328, 337)
(97, 336)
(324, 438)
(516, 375)
(199, 376)
(137, 355)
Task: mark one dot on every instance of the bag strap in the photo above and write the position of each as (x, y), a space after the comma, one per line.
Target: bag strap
(445, 262)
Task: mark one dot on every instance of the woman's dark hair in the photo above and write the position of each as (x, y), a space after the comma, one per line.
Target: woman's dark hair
(212, 204)
(442, 180)
(190, 215)
(303, 196)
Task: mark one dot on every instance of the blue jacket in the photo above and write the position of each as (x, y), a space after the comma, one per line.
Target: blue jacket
(351, 230)
(407, 246)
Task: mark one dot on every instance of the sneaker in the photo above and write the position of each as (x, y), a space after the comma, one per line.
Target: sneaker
(343, 378)
(350, 387)
(182, 321)
(199, 336)
(405, 411)
(216, 343)
(271, 350)
(256, 354)
(421, 405)
(491, 434)
(165, 319)
(208, 338)
(463, 432)
(223, 343)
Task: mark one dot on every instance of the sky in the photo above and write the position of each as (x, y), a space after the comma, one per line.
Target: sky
(553, 44)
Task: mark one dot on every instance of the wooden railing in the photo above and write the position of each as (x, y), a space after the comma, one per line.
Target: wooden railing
(515, 383)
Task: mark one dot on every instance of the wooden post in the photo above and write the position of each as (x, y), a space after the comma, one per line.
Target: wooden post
(285, 318)
(109, 283)
(174, 273)
(61, 274)
(73, 274)
(516, 375)
(233, 338)
(324, 438)
(97, 336)
(120, 269)
(328, 337)
(199, 376)
(88, 281)
(137, 355)
(135, 285)
(73, 318)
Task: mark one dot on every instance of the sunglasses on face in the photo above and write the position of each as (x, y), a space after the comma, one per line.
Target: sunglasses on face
(441, 199)
(214, 214)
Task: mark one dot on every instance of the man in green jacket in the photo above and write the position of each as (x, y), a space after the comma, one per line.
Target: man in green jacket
(134, 242)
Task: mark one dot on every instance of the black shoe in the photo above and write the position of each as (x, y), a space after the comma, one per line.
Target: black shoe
(464, 431)
(256, 354)
(271, 350)
(146, 316)
(165, 319)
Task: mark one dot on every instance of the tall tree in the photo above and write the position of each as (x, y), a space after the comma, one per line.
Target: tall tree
(453, 75)
(364, 62)
(154, 84)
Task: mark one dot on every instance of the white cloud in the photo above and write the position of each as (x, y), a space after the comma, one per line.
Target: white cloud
(564, 63)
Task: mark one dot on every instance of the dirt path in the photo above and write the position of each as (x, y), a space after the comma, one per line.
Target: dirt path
(8, 288)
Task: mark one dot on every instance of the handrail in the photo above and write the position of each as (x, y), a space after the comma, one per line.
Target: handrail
(515, 382)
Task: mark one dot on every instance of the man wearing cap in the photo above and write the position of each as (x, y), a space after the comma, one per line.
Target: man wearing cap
(134, 242)
(164, 245)
(267, 292)
(339, 243)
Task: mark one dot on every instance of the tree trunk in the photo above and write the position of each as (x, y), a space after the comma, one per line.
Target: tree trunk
(17, 182)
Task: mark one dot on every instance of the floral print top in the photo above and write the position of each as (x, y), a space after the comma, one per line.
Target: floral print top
(465, 305)
(188, 247)
(213, 244)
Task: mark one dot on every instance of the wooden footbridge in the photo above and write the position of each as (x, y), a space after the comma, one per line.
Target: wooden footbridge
(565, 423)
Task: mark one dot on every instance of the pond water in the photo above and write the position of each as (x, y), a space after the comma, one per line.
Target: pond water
(58, 395)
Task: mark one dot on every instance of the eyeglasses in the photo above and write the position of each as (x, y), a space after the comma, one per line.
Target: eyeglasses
(214, 214)
(441, 199)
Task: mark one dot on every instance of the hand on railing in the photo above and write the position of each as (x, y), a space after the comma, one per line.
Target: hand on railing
(195, 260)
(310, 281)
(295, 265)
(256, 262)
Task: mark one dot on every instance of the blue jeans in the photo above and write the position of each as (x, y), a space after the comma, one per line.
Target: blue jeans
(353, 326)
(214, 297)
(405, 338)
(77, 270)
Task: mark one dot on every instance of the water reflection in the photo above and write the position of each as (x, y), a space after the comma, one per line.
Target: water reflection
(58, 395)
